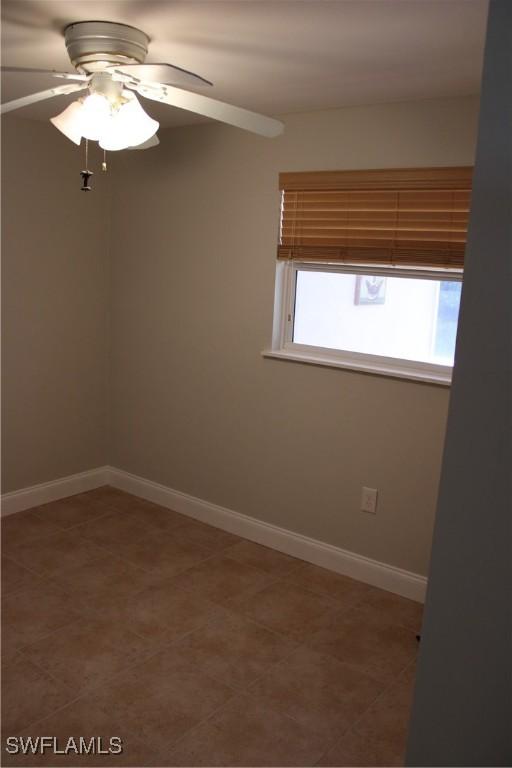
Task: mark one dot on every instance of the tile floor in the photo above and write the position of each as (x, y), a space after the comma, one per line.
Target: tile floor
(196, 647)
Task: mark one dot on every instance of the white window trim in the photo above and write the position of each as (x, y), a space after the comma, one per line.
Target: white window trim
(283, 348)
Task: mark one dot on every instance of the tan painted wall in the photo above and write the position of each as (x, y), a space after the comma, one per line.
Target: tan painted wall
(195, 406)
(54, 309)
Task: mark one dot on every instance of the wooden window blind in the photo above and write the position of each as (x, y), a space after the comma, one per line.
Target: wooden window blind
(407, 216)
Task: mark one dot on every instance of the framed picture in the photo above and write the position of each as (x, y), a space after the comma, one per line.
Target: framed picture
(370, 289)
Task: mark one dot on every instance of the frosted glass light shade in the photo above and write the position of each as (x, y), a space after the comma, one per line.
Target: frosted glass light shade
(152, 142)
(128, 127)
(69, 122)
(95, 116)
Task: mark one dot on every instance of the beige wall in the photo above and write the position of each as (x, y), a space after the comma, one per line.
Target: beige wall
(54, 308)
(194, 405)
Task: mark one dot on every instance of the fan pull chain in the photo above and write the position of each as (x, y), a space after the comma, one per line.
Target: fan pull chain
(86, 174)
(104, 163)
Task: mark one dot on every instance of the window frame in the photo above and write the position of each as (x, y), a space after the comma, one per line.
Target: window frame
(284, 348)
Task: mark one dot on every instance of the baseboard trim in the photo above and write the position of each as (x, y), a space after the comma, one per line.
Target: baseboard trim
(381, 575)
(17, 501)
(364, 569)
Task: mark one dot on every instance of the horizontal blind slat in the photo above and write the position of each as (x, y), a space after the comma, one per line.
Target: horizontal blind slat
(424, 217)
(332, 228)
(426, 257)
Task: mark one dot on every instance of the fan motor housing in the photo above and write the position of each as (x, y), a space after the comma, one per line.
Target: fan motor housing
(94, 45)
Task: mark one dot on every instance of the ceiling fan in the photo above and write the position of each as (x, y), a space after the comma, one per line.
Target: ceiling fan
(109, 59)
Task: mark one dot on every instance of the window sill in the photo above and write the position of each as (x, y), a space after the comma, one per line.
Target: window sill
(378, 368)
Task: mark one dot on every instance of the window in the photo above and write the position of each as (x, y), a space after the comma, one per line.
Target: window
(391, 321)
(370, 270)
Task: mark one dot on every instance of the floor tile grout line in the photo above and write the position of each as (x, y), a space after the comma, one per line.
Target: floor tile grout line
(103, 551)
(42, 516)
(116, 554)
(335, 739)
(386, 686)
(90, 690)
(385, 691)
(187, 520)
(354, 608)
(238, 694)
(296, 646)
(83, 694)
(88, 618)
(333, 745)
(44, 671)
(298, 640)
(109, 509)
(35, 539)
(172, 745)
(239, 689)
(50, 575)
(160, 649)
(301, 646)
(416, 629)
(222, 552)
(213, 619)
(273, 667)
(21, 648)
(251, 593)
(85, 617)
(235, 691)
(353, 726)
(27, 568)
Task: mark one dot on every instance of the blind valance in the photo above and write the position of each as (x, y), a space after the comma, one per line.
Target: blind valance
(406, 216)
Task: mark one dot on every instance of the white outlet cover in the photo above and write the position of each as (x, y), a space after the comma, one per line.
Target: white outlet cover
(369, 500)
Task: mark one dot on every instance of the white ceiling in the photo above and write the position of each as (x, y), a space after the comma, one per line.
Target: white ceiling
(272, 56)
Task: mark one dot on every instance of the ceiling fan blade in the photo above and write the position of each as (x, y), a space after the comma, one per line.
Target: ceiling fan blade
(152, 142)
(163, 73)
(59, 90)
(204, 105)
(51, 72)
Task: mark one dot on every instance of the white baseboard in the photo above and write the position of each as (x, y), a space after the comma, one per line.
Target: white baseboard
(358, 567)
(16, 501)
(381, 575)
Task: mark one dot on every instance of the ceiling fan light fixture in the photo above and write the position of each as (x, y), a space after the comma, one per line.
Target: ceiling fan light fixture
(69, 122)
(128, 126)
(110, 60)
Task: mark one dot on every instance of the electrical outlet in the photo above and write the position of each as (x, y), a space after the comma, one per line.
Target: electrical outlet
(369, 500)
